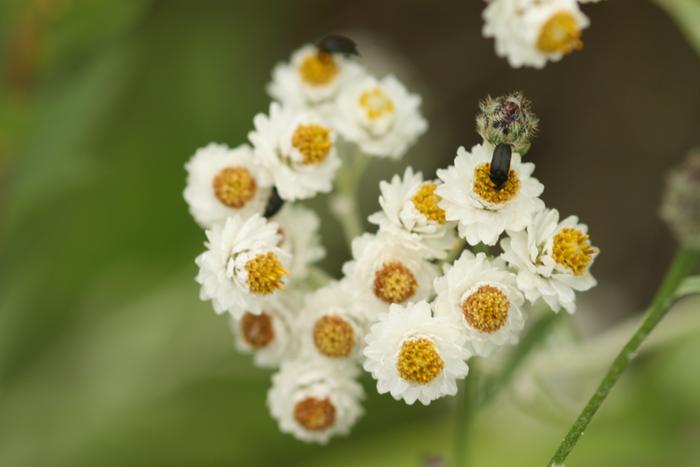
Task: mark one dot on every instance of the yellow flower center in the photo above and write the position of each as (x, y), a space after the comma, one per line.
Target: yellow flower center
(486, 309)
(419, 361)
(426, 202)
(394, 283)
(318, 69)
(333, 336)
(485, 189)
(376, 103)
(560, 33)
(315, 414)
(234, 186)
(257, 330)
(265, 274)
(572, 249)
(313, 142)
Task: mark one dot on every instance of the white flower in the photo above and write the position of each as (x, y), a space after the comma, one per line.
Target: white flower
(312, 79)
(471, 198)
(383, 272)
(330, 324)
(299, 229)
(242, 264)
(553, 259)
(298, 149)
(482, 295)
(414, 355)
(315, 399)
(381, 117)
(530, 32)
(223, 182)
(411, 214)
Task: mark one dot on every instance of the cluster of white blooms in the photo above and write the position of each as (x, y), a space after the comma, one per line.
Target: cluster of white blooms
(533, 32)
(413, 304)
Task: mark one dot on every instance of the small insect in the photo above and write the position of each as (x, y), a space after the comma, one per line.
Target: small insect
(335, 44)
(274, 204)
(500, 165)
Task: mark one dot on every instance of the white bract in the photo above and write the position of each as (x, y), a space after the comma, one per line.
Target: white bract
(472, 199)
(482, 295)
(553, 259)
(299, 229)
(414, 355)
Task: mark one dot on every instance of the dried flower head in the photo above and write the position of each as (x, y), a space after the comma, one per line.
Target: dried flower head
(680, 207)
(507, 119)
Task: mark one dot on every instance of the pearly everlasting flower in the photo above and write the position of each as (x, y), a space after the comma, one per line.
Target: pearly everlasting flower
(414, 355)
(224, 182)
(298, 149)
(315, 399)
(553, 259)
(312, 79)
(380, 116)
(383, 272)
(242, 265)
(331, 325)
(299, 231)
(483, 211)
(411, 214)
(270, 335)
(482, 295)
(531, 32)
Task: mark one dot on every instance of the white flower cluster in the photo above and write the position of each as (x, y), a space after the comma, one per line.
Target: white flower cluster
(261, 243)
(533, 32)
(413, 305)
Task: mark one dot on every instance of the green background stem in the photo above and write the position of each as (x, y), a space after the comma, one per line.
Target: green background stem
(682, 265)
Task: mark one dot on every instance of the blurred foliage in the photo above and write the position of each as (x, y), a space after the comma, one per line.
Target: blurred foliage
(106, 355)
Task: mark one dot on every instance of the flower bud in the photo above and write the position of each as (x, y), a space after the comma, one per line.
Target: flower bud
(680, 207)
(507, 119)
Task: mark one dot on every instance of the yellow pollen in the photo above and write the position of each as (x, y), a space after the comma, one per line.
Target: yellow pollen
(394, 283)
(419, 361)
(257, 330)
(572, 249)
(333, 336)
(265, 274)
(318, 69)
(486, 189)
(376, 103)
(426, 202)
(315, 414)
(313, 142)
(486, 310)
(234, 186)
(560, 33)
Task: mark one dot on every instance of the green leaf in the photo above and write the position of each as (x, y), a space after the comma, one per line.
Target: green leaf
(689, 286)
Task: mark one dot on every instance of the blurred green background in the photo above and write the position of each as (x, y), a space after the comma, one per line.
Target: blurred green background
(107, 358)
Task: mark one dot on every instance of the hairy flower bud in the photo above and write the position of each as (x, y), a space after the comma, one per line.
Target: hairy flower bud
(507, 119)
(680, 207)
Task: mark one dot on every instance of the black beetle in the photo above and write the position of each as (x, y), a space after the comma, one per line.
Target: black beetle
(274, 204)
(335, 44)
(500, 165)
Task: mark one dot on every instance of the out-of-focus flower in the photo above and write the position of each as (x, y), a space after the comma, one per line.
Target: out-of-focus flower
(299, 232)
(483, 211)
(380, 116)
(507, 120)
(553, 259)
(242, 264)
(315, 399)
(383, 272)
(415, 356)
(482, 295)
(312, 79)
(680, 207)
(224, 182)
(531, 32)
(298, 149)
(411, 214)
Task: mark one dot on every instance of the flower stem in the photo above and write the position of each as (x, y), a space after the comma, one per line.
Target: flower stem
(466, 408)
(344, 203)
(682, 265)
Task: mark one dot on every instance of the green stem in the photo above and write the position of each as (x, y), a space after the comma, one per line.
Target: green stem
(682, 265)
(344, 204)
(466, 408)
